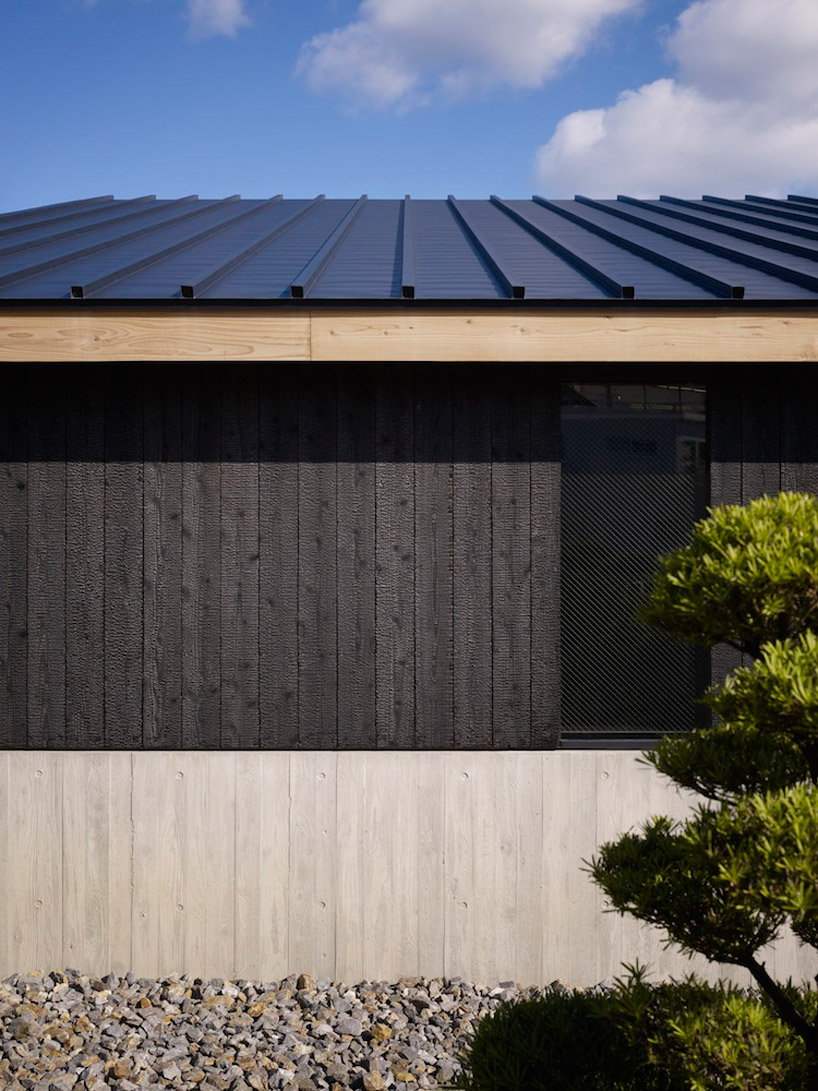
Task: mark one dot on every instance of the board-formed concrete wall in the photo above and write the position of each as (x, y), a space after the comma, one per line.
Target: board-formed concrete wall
(348, 865)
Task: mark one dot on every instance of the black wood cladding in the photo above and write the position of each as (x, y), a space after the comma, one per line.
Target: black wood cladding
(242, 556)
(763, 439)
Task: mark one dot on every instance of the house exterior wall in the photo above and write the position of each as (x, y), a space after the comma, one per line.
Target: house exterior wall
(278, 556)
(311, 556)
(352, 866)
(198, 768)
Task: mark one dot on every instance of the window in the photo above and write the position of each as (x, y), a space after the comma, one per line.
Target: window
(634, 480)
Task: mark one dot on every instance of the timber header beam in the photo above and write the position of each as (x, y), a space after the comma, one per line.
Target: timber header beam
(458, 335)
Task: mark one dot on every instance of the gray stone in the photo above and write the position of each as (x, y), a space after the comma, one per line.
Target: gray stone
(347, 1025)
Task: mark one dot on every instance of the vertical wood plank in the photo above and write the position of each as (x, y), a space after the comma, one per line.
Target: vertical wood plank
(220, 863)
(434, 694)
(13, 556)
(494, 918)
(356, 556)
(162, 650)
(85, 560)
(155, 863)
(262, 865)
(462, 882)
(431, 863)
(239, 558)
(124, 571)
(120, 862)
(799, 443)
(511, 559)
(274, 919)
(391, 893)
(724, 397)
(312, 862)
(545, 559)
(8, 945)
(570, 903)
(35, 873)
(472, 548)
(201, 559)
(622, 788)
(278, 548)
(46, 558)
(317, 560)
(192, 893)
(93, 826)
(760, 430)
(352, 941)
(528, 810)
(395, 561)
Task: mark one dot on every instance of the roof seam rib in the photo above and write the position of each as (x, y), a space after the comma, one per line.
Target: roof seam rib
(738, 256)
(300, 286)
(726, 229)
(408, 280)
(772, 219)
(608, 283)
(99, 201)
(97, 225)
(97, 248)
(240, 256)
(82, 291)
(688, 272)
(513, 291)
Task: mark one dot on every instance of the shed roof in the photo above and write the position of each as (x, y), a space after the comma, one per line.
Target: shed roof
(366, 251)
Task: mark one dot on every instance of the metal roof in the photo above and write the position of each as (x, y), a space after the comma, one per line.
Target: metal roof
(356, 250)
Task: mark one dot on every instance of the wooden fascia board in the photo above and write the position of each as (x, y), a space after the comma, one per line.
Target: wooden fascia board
(456, 335)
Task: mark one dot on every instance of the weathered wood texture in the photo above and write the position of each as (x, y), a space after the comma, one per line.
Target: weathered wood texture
(479, 334)
(239, 557)
(354, 866)
(762, 440)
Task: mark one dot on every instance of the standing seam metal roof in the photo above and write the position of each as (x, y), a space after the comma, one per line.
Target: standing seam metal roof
(354, 249)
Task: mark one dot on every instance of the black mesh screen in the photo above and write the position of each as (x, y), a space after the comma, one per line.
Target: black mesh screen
(634, 480)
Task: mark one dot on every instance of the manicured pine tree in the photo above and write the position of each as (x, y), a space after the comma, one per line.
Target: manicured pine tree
(724, 882)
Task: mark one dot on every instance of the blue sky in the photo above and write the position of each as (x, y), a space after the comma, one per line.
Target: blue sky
(393, 96)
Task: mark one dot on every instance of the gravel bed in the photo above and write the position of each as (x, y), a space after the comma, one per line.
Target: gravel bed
(64, 1031)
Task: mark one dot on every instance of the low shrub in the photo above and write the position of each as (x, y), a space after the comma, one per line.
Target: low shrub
(712, 1036)
(559, 1040)
(676, 1036)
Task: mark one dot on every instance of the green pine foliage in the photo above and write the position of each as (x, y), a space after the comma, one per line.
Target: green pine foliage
(748, 576)
(711, 1036)
(637, 1036)
(724, 882)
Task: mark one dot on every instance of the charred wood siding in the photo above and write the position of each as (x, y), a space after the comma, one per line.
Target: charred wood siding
(241, 556)
(763, 439)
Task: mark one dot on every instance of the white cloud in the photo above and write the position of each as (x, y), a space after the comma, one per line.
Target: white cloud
(214, 17)
(404, 52)
(209, 18)
(740, 115)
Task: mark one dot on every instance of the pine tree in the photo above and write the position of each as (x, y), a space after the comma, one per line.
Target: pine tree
(724, 882)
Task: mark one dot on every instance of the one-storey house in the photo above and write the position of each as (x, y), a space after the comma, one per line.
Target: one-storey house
(324, 529)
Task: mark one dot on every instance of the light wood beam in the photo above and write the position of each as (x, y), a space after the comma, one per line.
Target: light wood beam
(547, 336)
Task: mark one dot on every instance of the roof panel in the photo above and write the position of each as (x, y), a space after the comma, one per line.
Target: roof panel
(367, 264)
(473, 250)
(270, 272)
(758, 285)
(447, 263)
(543, 273)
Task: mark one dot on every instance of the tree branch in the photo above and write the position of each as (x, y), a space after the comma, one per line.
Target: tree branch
(784, 1006)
